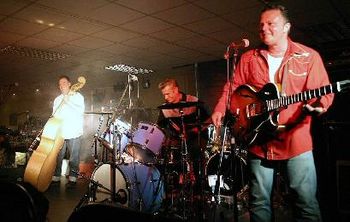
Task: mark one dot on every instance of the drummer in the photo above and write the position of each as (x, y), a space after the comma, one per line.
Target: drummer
(195, 114)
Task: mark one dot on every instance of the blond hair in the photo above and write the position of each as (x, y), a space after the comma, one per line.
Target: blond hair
(168, 82)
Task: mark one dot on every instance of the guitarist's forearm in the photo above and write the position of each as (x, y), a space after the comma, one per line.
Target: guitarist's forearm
(222, 102)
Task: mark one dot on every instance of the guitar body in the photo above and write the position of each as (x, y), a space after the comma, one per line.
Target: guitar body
(249, 112)
(42, 163)
(255, 111)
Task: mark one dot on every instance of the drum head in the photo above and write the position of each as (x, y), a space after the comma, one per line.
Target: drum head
(137, 186)
(146, 143)
(102, 176)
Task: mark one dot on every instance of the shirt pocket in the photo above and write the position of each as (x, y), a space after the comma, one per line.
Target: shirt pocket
(297, 74)
(257, 73)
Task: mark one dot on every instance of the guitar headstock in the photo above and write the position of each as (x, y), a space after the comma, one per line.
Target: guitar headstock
(344, 85)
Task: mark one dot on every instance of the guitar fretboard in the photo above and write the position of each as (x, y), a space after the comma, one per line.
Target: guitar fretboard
(303, 96)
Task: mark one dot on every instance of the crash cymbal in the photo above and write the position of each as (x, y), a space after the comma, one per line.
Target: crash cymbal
(181, 104)
(98, 113)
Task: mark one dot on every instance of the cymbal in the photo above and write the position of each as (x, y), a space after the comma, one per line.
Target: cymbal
(181, 104)
(99, 113)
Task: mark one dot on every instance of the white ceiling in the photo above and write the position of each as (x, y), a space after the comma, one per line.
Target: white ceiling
(161, 35)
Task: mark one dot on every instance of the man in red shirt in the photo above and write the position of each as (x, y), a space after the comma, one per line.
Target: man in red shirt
(293, 68)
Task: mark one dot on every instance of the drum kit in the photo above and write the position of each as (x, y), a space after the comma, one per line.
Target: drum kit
(136, 171)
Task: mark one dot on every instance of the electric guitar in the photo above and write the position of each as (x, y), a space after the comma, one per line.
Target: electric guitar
(256, 111)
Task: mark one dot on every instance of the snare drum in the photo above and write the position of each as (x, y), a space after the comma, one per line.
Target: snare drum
(146, 143)
(137, 186)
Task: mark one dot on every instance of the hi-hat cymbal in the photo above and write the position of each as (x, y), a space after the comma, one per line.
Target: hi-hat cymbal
(181, 104)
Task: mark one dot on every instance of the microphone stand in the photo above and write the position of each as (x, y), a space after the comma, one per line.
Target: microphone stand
(114, 150)
(132, 78)
(228, 103)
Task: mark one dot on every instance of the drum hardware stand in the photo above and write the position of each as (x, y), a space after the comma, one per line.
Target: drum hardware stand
(115, 153)
(184, 163)
(90, 195)
(137, 184)
(113, 163)
(217, 191)
(107, 131)
(218, 176)
(94, 142)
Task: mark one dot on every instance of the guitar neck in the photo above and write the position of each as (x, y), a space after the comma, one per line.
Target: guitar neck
(282, 101)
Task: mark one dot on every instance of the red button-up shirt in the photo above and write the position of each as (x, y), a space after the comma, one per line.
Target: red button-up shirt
(301, 69)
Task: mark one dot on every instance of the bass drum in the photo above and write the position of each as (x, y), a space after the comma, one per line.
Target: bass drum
(137, 186)
(233, 173)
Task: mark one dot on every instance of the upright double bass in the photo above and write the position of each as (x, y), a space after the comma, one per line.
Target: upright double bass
(42, 163)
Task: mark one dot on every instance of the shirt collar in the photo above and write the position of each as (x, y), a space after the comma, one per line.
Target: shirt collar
(293, 49)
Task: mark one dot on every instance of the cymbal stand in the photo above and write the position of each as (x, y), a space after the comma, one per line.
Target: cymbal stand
(94, 142)
(112, 174)
(116, 159)
(184, 162)
(109, 134)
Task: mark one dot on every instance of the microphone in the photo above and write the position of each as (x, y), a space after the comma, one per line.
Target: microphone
(243, 43)
(133, 78)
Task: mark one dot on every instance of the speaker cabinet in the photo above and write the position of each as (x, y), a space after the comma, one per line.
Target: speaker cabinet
(343, 191)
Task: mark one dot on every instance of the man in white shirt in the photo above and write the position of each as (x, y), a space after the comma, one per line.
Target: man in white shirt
(69, 108)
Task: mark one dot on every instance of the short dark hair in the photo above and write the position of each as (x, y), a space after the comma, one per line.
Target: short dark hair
(64, 77)
(281, 8)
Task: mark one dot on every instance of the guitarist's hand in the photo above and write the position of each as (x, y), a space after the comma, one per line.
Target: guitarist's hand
(314, 110)
(216, 117)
